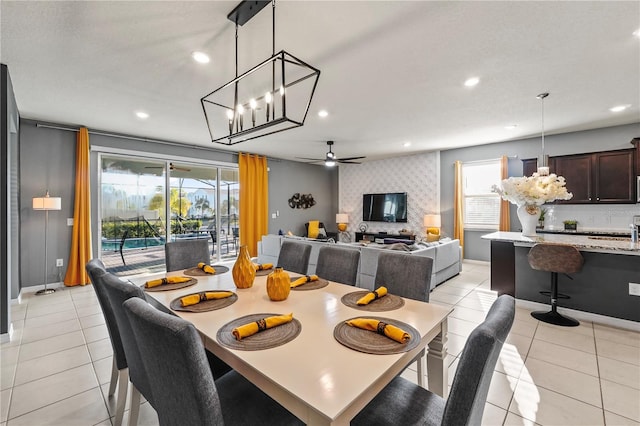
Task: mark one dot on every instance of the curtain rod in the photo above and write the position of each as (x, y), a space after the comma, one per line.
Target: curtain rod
(116, 135)
(510, 157)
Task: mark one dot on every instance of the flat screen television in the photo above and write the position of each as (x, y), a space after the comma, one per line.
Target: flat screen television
(389, 207)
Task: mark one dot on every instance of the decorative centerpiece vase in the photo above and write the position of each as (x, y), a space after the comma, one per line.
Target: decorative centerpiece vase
(278, 285)
(243, 271)
(528, 215)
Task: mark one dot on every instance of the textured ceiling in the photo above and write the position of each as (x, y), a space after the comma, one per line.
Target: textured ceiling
(392, 71)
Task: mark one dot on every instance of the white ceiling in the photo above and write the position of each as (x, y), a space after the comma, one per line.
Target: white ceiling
(392, 71)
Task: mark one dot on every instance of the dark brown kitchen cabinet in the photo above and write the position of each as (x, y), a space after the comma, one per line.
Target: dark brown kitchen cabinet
(601, 177)
(529, 166)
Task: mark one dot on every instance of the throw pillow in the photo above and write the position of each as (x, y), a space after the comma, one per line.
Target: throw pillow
(314, 228)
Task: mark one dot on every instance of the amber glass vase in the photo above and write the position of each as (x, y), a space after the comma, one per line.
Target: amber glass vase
(243, 270)
(278, 285)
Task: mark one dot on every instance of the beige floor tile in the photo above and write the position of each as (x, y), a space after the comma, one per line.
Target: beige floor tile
(565, 337)
(96, 333)
(51, 345)
(501, 390)
(9, 356)
(50, 318)
(459, 283)
(455, 344)
(580, 386)
(546, 407)
(52, 308)
(493, 416)
(92, 320)
(57, 362)
(510, 362)
(83, 409)
(444, 297)
(455, 291)
(585, 327)
(147, 416)
(621, 400)
(520, 343)
(5, 399)
(467, 314)
(619, 372)
(103, 369)
(564, 356)
(618, 351)
(524, 328)
(111, 402)
(32, 334)
(461, 327)
(516, 420)
(89, 310)
(523, 314)
(618, 335)
(100, 349)
(19, 314)
(40, 393)
(616, 420)
(7, 374)
(479, 299)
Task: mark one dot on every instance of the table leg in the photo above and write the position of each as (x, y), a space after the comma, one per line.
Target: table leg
(420, 362)
(436, 363)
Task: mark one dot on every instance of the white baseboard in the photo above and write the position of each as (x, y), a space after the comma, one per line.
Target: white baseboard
(34, 288)
(581, 315)
(6, 337)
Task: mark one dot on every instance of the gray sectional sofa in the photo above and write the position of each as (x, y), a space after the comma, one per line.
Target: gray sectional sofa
(446, 255)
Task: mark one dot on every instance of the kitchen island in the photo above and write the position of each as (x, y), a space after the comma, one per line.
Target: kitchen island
(602, 287)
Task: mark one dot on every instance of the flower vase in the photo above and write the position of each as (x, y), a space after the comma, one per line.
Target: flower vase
(243, 271)
(528, 215)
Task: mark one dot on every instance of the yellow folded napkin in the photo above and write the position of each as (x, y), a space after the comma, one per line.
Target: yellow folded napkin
(304, 280)
(391, 331)
(252, 328)
(206, 268)
(369, 297)
(194, 299)
(169, 280)
(262, 266)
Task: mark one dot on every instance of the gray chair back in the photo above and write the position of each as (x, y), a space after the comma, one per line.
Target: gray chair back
(118, 292)
(186, 254)
(405, 275)
(96, 270)
(468, 395)
(183, 388)
(338, 264)
(294, 257)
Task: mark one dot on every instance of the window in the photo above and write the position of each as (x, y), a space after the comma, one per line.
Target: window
(481, 206)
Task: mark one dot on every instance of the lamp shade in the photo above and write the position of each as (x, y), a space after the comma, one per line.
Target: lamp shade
(47, 203)
(432, 221)
(342, 218)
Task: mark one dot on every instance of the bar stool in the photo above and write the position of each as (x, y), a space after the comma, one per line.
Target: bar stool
(555, 258)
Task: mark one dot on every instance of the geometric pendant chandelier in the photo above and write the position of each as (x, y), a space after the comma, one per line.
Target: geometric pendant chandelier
(271, 97)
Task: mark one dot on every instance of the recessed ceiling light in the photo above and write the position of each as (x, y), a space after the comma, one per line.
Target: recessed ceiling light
(141, 114)
(637, 33)
(406, 144)
(619, 108)
(200, 57)
(472, 81)
(323, 113)
(511, 126)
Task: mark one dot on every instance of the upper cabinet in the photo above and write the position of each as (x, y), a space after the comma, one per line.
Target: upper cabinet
(607, 177)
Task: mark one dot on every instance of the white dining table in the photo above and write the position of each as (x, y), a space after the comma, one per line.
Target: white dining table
(313, 376)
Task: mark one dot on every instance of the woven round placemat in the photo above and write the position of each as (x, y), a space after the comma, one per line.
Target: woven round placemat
(264, 272)
(267, 339)
(371, 342)
(197, 272)
(313, 285)
(385, 303)
(168, 287)
(204, 306)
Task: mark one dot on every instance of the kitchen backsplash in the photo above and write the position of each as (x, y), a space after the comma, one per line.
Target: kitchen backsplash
(614, 217)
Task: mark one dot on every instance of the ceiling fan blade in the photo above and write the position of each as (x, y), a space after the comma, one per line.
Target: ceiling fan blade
(154, 167)
(349, 162)
(313, 159)
(351, 158)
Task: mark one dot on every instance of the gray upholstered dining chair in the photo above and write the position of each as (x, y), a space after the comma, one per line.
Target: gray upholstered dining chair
(294, 257)
(182, 385)
(119, 373)
(118, 291)
(404, 403)
(338, 264)
(186, 254)
(405, 275)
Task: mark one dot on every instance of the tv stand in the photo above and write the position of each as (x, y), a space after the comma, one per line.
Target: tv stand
(373, 236)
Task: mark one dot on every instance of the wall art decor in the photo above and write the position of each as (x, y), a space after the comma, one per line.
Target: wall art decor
(301, 201)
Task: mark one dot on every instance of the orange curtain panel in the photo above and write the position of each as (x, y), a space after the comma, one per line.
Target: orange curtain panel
(80, 253)
(458, 219)
(505, 220)
(254, 200)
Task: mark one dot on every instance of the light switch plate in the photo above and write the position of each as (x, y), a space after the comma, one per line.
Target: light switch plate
(69, 221)
(634, 289)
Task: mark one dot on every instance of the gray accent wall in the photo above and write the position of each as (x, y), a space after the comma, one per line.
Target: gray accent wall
(608, 138)
(289, 177)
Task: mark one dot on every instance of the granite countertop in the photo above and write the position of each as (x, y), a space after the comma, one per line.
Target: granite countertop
(614, 245)
(586, 231)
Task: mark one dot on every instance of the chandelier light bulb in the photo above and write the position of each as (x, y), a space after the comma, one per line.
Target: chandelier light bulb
(230, 114)
(281, 90)
(253, 104)
(240, 110)
(267, 100)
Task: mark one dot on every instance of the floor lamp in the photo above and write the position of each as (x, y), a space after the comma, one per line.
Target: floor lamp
(46, 203)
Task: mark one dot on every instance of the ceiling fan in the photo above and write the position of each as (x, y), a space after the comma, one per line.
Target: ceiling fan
(171, 168)
(330, 159)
